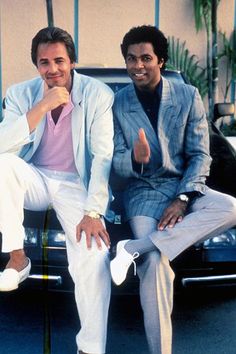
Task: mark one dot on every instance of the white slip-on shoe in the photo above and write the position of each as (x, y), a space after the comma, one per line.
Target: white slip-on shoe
(120, 264)
(10, 278)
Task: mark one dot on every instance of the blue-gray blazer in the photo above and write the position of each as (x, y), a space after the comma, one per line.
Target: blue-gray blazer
(180, 159)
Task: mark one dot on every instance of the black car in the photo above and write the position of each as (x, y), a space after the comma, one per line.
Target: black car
(212, 261)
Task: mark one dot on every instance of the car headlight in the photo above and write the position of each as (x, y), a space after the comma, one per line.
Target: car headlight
(226, 239)
(31, 236)
(53, 239)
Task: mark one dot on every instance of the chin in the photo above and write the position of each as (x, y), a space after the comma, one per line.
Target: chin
(55, 84)
(142, 86)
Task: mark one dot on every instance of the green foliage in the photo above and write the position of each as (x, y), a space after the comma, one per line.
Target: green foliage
(181, 59)
(205, 13)
(202, 11)
(229, 53)
(227, 50)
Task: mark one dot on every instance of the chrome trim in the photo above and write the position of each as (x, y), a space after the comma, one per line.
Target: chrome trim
(54, 247)
(208, 279)
(56, 278)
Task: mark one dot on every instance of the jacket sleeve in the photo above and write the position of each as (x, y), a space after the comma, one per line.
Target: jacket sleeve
(14, 129)
(101, 152)
(196, 149)
(122, 159)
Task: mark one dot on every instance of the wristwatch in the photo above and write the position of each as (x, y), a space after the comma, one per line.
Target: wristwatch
(183, 198)
(92, 214)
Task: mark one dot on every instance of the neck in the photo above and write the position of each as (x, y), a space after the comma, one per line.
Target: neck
(56, 113)
(146, 89)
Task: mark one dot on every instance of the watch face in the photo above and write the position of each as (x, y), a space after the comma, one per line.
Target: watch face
(183, 198)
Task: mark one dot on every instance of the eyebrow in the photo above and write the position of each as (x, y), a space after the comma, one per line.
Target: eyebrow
(46, 59)
(143, 55)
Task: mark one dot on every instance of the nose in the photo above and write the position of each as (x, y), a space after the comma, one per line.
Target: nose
(53, 67)
(139, 63)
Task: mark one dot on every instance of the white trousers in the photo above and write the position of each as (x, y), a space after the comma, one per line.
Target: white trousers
(24, 186)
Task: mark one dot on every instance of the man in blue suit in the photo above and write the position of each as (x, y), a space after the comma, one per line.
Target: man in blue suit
(162, 148)
(56, 146)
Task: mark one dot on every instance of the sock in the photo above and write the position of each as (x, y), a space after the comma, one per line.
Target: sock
(141, 246)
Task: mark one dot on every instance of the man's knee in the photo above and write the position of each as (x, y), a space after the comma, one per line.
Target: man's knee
(8, 162)
(87, 261)
(230, 206)
(7, 158)
(90, 268)
(219, 203)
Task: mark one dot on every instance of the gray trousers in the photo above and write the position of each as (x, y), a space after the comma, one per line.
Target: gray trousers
(208, 216)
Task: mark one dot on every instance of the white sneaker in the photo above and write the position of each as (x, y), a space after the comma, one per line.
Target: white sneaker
(120, 264)
(10, 278)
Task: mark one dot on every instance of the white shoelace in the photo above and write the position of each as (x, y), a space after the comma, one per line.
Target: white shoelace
(135, 255)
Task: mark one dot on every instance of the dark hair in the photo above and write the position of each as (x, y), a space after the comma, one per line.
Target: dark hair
(146, 34)
(53, 35)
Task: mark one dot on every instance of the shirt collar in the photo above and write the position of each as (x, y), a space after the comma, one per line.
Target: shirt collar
(68, 107)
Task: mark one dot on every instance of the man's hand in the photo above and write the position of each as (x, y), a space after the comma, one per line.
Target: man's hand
(52, 98)
(92, 228)
(173, 214)
(141, 148)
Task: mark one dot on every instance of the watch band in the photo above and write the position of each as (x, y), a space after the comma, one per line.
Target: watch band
(92, 214)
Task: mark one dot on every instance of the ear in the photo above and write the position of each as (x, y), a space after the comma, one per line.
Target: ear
(161, 62)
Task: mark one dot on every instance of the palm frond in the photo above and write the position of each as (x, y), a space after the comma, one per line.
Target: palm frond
(181, 59)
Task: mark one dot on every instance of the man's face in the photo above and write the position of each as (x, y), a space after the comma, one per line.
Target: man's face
(53, 64)
(143, 66)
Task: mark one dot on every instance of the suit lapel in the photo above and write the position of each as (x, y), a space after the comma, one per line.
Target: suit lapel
(77, 113)
(168, 112)
(137, 118)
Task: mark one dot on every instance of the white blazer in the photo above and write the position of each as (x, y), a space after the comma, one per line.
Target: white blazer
(92, 131)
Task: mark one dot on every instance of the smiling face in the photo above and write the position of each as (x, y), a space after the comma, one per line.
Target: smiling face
(143, 66)
(54, 65)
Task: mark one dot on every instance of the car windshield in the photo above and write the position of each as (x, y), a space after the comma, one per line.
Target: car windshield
(117, 78)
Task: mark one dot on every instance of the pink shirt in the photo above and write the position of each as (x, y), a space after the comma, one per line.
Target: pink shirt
(55, 151)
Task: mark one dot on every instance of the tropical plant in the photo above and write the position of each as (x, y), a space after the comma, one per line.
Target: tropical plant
(181, 59)
(205, 12)
(228, 52)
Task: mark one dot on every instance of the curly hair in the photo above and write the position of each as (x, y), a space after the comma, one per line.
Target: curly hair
(53, 35)
(146, 34)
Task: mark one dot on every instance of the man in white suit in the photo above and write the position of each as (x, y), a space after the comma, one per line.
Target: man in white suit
(162, 148)
(56, 146)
